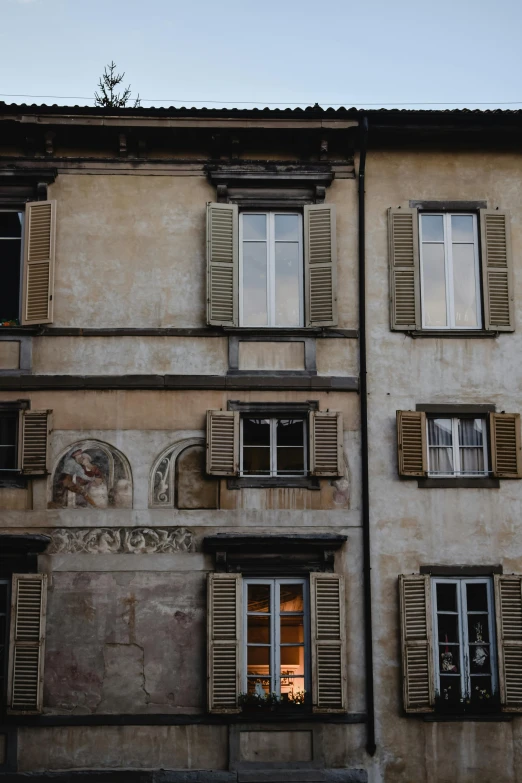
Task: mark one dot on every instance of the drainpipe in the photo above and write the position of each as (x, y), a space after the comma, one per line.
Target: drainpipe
(365, 500)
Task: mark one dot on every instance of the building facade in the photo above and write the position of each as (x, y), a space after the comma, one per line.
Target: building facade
(259, 383)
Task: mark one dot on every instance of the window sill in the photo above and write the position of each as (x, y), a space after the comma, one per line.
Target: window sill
(497, 717)
(275, 482)
(458, 483)
(462, 334)
(293, 331)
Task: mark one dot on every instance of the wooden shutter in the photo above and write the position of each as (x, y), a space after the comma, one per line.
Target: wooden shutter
(222, 264)
(497, 270)
(508, 610)
(35, 427)
(328, 642)
(27, 640)
(412, 455)
(39, 249)
(223, 443)
(504, 431)
(416, 642)
(326, 443)
(224, 635)
(403, 230)
(320, 244)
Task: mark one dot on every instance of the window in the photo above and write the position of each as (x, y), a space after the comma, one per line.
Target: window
(273, 447)
(271, 269)
(450, 281)
(4, 636)
(276, 637)
(24, 440)
(11, 224)
(9, 440)
(457, 446)
(464, 638)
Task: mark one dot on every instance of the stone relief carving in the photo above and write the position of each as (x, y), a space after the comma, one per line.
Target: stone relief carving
(108, 541)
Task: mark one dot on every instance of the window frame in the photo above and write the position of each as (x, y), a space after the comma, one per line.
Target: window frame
(275, 631)
(462, 614)
(448, 270)
(270, 265)
(456, 446)
(20, 210)
(273, 419)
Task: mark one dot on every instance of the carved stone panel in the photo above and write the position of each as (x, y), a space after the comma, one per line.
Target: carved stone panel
(109, 541)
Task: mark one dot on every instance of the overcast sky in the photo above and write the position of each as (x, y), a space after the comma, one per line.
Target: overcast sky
(226, 52)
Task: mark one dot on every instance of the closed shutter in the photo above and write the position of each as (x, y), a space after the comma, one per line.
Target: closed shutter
(320, 265)
(27, 642)
(403, 230)
(224, 624)
(222, 443)
(497, 271)
(416, 642)
(326, 443)
(328, 643)
(39, 251)
(34, 441)
(508, 609)
(412, 456)
(222, 264)
(504, 430)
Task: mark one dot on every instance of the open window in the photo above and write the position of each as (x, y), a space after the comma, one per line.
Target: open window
(24, 440)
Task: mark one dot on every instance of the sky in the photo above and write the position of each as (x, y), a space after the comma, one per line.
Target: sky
(371, 53)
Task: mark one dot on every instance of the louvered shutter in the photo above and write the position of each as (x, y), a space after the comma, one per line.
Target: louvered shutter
(403, 230)
(34, 441)
(27, 641)
(508, 610)
(328, 642)
(504, 430)
(320, 265)
(39, 251)
(412, 456)
(326, 443)
(416, 643)
(222, 264)
(222, 443)
(497, 271)
(224, 634)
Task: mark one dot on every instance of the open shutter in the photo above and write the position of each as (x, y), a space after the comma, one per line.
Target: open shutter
(508, 610)
(328, 643)
(38, 277)
(27, 640)
(416, 642)
(320, 243)
(497, 270)
(224, 624)
(504, 431)
(223, 443)
(412, 455)
(403, 230)
(34, 441)
(222, 264)
(326, 443)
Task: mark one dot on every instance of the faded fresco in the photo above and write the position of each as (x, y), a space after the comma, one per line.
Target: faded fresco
(92, 475)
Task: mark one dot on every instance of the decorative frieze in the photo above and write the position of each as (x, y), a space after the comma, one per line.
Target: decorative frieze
(110, 541)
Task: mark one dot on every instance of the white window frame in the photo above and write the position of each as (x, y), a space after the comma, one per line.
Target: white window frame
(271, 282)
(448, 270)
(462, 612)
(456, 446)
(273, 446)
(275, 631)
(19, 211)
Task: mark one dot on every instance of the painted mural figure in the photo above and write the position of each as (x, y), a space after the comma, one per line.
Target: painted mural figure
(92, 474)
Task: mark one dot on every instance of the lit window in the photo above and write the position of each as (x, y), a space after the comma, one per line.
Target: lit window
(457, 446)
(273, 447)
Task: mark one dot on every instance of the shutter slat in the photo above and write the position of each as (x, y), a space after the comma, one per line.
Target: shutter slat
(508, 608)
(222, 443)
(326, 443)
(27, 642)
(415, 610)
(224, 623)
(328, 642)
(411, 443)
(36, 426)
(497, 270)
(404, 268)
(39, 258)
(505, 445)
(222, 264)
(320, 265)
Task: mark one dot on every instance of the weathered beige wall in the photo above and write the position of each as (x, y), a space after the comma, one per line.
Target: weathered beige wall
(413, 526)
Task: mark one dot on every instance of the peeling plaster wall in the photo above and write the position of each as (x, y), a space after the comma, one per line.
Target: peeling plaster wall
(413, 526)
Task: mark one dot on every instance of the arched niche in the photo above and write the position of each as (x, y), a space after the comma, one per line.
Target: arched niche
(178, 478)
(91, 474)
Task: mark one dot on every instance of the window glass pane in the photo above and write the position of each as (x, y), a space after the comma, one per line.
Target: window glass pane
(258, 629)
(292, 629)
(462, 228)
(290, 460)
(259, 686)
(255, 311)
(478, 628)
(258, 598)
(258, 660)
(448, 625)
(472, 461)
(440, 435)
(477, 597)
(449, 659)
(291, 598)
(432, 228)
(287, 288)
(290, 432)
(10, 224)
(439, 432)
(254, 226)
(286, 227)
(8, 427)
(450, 690)
(256, 459)
(481, 691)
(434, 284)
(3, 599)
(10, 253)
(471, 433)
(256, 432)
(446, 597)
(7, 458)
(464, 285)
